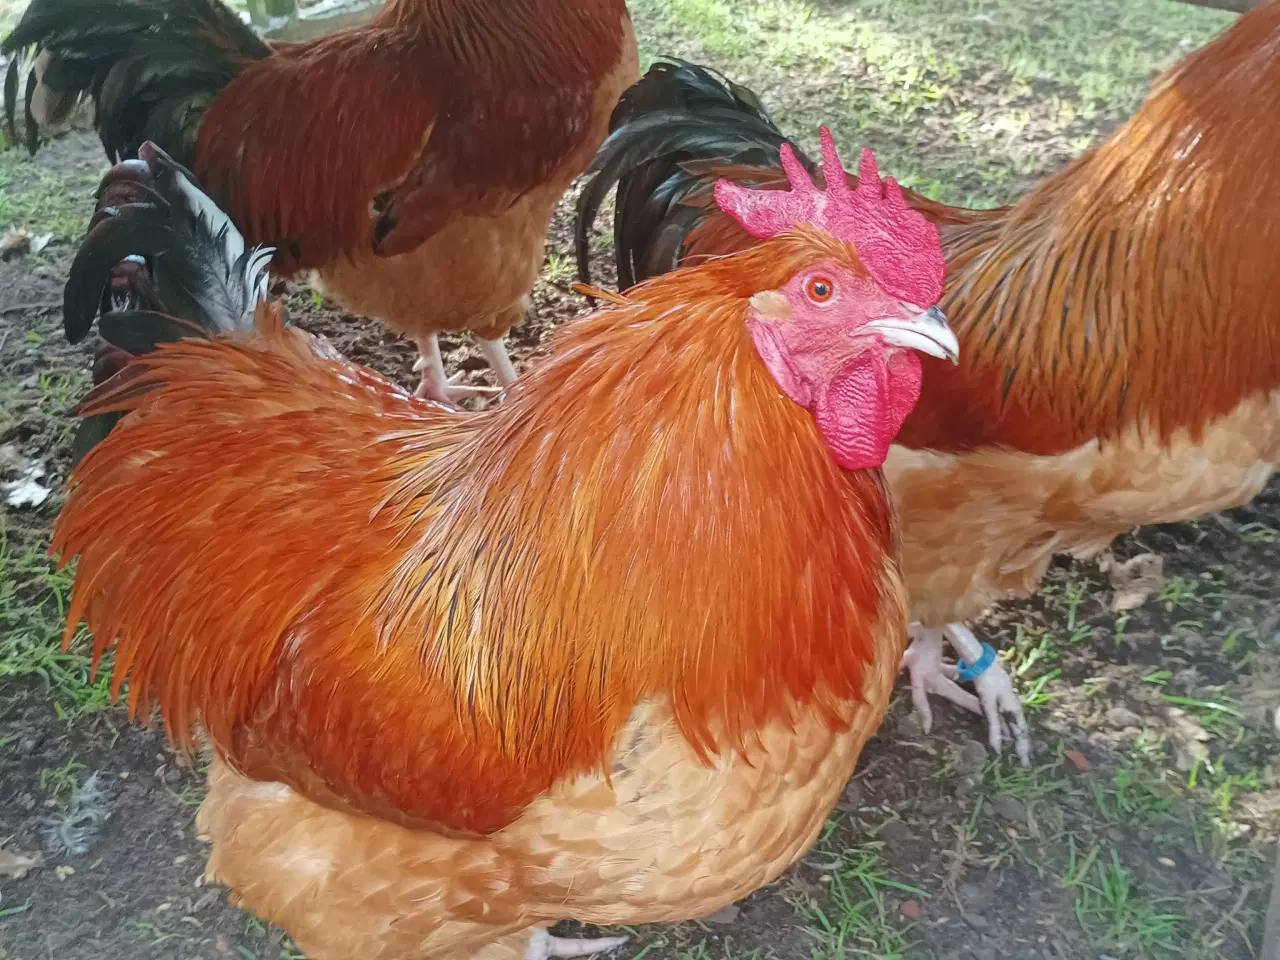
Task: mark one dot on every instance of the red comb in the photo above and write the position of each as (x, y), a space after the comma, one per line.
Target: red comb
(898, 246)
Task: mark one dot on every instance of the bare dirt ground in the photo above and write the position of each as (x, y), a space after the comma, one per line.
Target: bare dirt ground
(1146, 826)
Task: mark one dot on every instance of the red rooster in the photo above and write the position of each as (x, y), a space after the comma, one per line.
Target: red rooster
(1120, 329)
(413, 162)
(608, 651)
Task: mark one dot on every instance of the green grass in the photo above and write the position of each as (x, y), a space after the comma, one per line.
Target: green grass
(33, 603)
(44, 201)
(951, 94)
(1109, 905)
(857, 916)
(62, 782)
(1134, 794)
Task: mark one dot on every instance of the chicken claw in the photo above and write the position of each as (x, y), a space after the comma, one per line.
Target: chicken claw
(543, 946)
(930, 675)
(996, 697)
(434, 385)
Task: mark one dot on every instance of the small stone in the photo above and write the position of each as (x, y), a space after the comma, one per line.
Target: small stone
(1077, 760)
(1010, 809)
(727, 914)
(1121, 717)
(17, 863)
(910, 909)
(63, 871)
(12, 463)
(911, 726)
(1167, 862)
(1187, 756)
(1135, 580)
(971, 758)
(853, 797)
(976, 921)
(976, 896)
(895, 833)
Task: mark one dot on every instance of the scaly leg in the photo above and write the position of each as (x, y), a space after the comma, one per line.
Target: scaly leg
(543, 946)
(996, 697)
(434, 385)
(495, 354)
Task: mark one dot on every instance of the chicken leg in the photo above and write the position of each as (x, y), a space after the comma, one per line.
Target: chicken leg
(495, 353)
(543, 946)
(995, 694)
(435, 385)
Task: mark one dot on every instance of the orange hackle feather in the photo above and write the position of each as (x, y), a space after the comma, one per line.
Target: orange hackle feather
(432, 617)
(1134, 288)
(403, 119)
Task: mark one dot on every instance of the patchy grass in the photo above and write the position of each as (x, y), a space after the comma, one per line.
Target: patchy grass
(967, 102)
(1107, 903)
(855, 911)
(33, 600)
(41, 200)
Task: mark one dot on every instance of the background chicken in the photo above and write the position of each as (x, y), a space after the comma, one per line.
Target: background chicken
(1119, 328)
(413, 162)
(457, 686)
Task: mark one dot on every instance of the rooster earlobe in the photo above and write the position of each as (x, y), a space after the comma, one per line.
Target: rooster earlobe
(764, 328)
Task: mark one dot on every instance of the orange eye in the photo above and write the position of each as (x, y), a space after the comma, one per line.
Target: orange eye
(819, 289)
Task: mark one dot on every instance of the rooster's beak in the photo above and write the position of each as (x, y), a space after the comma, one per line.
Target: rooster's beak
(923, 330)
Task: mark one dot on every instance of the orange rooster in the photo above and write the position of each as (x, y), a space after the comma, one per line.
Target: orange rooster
(413, 163)
(607, 651)
(1120, 330)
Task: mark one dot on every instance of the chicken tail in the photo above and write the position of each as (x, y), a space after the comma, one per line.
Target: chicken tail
(672, 135)
(152, 67)
(160, 263)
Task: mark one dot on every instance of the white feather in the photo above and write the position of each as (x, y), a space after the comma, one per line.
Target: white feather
(256, 275)
(219, 224)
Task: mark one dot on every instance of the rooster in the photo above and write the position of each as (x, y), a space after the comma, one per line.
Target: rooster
(1119, 325)
(608, 650)
(413, 163)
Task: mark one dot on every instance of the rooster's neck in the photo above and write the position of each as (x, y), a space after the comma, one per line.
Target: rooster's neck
(1134, 289)
(518, 38)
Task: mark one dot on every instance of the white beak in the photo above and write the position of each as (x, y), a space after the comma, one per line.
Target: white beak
(924, 330)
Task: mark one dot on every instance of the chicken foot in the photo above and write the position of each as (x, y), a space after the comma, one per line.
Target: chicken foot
(435, 385)
(543, 946)
(995, 698)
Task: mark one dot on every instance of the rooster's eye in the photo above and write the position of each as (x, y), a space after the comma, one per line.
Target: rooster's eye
(819, 289)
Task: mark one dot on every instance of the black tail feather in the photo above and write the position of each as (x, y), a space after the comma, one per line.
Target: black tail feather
(160, 263)
(32, 129)
(134, 230)
(677, 116)
(11, 100)
(152, 67)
